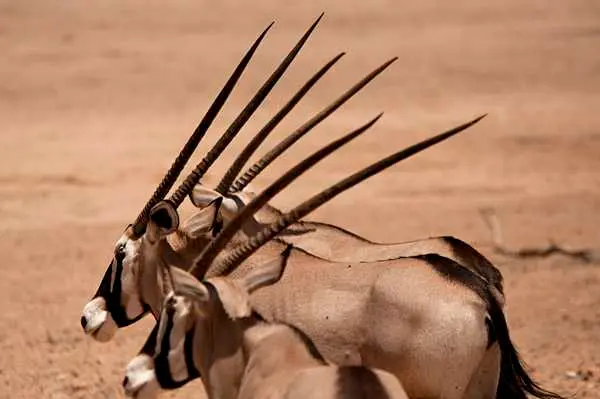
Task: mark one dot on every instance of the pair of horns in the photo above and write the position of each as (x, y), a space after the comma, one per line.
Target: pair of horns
(137, 228)
(242, 252)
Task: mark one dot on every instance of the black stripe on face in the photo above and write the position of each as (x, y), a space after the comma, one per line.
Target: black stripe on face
(112, 295)
(193, 373)
(150, 345)
(161, 361)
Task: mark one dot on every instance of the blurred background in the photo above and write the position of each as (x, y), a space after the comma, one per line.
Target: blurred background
(97, 97)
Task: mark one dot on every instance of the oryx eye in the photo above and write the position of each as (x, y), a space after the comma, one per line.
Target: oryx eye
(217, 227)
(120, 252)
(171, 302)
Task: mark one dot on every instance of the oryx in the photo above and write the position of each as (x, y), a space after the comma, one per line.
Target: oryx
(429, 321)
(113, 305)
(279, 360)
(128, 288)
(336, 243)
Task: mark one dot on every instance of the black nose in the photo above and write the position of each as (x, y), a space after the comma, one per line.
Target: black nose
(83, 322)
(125, 382)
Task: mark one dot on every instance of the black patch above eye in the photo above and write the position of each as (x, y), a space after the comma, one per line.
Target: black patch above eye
(171, 302)
(217, 227)
(162, 218)
(120, 253)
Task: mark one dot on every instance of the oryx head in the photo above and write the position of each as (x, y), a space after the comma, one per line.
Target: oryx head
(191, 313)
(187, 309)
(117, 302)
(191, 306)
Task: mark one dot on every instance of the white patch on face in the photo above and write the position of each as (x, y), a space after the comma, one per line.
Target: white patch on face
(176, 355)
(130, 294)
(177, 363)
(99, 323)
(140, 378)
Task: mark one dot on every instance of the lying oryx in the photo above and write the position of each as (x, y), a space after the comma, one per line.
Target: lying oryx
(431, 322)
(272, 360)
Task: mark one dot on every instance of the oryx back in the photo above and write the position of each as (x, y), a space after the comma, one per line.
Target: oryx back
(403, 316)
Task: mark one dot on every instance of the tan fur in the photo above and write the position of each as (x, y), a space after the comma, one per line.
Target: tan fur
(333, 243)
(280, 366)
(397, 315)
(400, 316)
(240, 356)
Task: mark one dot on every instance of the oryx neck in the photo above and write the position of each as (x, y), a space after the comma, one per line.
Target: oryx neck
(218, 349)
(270, 346)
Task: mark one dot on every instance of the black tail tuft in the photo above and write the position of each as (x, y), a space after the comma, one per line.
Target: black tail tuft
(515, 382)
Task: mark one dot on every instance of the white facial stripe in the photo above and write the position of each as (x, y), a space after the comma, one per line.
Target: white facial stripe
(122, 242)
(130, 296)
(176, 356)
(162, 326)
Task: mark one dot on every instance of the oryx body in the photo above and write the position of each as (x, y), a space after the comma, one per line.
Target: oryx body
(433, 302)
(210, 329)
(427, 320)
(337, 244)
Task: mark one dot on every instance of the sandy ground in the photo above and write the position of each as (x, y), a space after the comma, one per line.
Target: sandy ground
(96, 97)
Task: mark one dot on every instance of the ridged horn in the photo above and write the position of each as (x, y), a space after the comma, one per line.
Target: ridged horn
(194, 177)
(261, 164)
(138, 227)
(210, 252)
(242, 252)
(252, 146)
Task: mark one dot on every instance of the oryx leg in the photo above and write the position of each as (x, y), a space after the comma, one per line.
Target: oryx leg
(484, 383)
(433, 345)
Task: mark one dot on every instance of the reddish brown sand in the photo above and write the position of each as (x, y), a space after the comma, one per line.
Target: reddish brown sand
(96, 97)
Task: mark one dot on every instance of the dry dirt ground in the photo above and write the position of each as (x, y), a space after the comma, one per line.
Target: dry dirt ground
(96, 97)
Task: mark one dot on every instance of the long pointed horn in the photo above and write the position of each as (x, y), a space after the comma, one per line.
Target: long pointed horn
(251, 147)
(210, 252)
(241, 253)
(139, 225)
(260, 165)
(200, 169)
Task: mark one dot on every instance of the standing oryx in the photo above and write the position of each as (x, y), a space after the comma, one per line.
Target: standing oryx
(335, 243)
(429, 321)
(279, 361)
(420, 338)
(111, 306)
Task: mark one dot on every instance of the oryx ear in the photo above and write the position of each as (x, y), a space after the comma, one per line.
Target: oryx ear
(163, 219)
(202, 196)
(268, 273)
(204, 220)
(232, 206)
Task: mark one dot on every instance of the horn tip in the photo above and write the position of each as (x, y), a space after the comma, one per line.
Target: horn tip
(480, 117)
(374, 120)
(316, 22)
